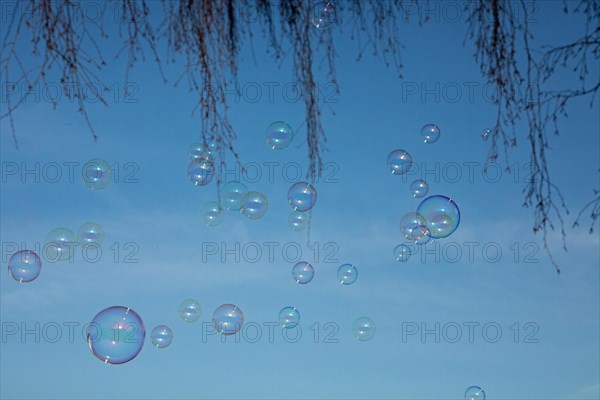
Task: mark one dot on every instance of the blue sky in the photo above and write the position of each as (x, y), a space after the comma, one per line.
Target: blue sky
(356, 218)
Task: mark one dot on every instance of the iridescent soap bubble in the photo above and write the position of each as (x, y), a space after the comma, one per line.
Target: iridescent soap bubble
(442, 215)
(430, 133)
(303, 272)
(161, 336)
(323, 15)
(474, 393)
(60, 244)
(402, 253)
(486, 134)
(347, 274)
(116, 335)
(212, 214)
(419, 188)
(232, 194)
(302, 196)
(228, 319)
(297, 220)
(97, 174)
(425, 235)
(254, 205)
(90, 233)
(279, 135)
(289, 317)
(24, 266)
(399, 161)
(363, 329)
(198, 151)
(190, 310)
(413, 226)
(201, 172)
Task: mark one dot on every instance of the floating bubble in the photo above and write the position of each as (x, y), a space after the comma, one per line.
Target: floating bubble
(442, 215)
(323, 15)
(289, 317)
(161, 336)
(302, 196)
(212, 214)
(399, 161)
(303, 272)
(430, 133)
(190, 310)
(347, 274)
(90, 233)
(24, 266)
(363, 329)
(419, 188)
(413, 226)
(474, 393)
(60, 243)
(116, 335)
(97, 174)
(198, 151)
(254, 205)
(201, 172)
(228, 319)
(402, 253)
(425, 237)
(297, 220)
(232, 194)
(486, 134)
(279, 135)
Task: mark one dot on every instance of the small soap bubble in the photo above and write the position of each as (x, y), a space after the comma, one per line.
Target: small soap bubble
(201, 172)
(302, 196)
(90, 233)
(419, 188)
(161, 336)
(298, 221)
(24, 266)
(228, 319)
(399, 161)
(289, 317)
(97, 174)
(279, 135)
(303, 272)
(430, 133)
(212, 214)
(347, 274)
(190, 310)
(363, 329)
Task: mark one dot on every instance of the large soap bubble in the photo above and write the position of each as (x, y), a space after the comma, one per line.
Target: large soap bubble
(442, 215)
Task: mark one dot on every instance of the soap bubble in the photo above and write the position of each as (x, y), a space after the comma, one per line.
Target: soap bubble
(486, 134)
(116, 335)
(232, 194)
(413, 226)
(24, 266)
(347, 274)
(297, 220)
(442, 215)
(228, 319)
(402, 253)
(279, 135)
(303, 272)
(430, 133)
(399, 161)
(474, 393)
(419, 188)
(323, 15)
(212, 146)
(161, 336)
(425, 237)
(201, 172)
(254, 205)
(302, 196)
(212, 214)
(90, 233)
(97, 174)
(363, 329)
(289, 317)
(60, 243)
(190, 310)
(198, 151)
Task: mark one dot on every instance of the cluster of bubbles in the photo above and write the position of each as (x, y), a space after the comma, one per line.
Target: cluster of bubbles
(201, 169)
(302, 197)
(436, 216)
(26, 265)
(323, 15)
(97, 174)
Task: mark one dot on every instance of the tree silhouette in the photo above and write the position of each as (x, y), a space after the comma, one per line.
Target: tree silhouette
(208, 35)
